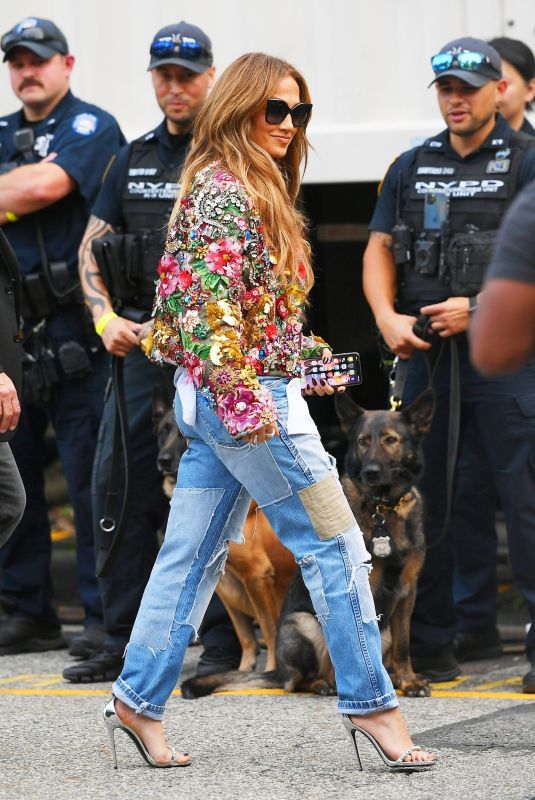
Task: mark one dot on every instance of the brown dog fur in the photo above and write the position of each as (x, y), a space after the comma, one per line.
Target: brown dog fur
(258, 571)
(382, 464)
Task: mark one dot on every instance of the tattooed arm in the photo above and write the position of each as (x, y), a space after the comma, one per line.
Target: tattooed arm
(119, 335)
(380, 285)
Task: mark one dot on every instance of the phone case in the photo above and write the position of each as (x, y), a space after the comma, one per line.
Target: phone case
(342, 370)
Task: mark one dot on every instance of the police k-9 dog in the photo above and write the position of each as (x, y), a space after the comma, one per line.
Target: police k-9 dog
(382, 463)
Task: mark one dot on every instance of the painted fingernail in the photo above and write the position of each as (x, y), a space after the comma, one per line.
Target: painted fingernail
(322, 382)
(314, 382)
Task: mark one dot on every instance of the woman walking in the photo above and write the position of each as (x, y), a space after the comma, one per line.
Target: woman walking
(229, 312)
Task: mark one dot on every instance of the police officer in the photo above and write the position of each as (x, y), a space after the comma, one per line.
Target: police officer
(53, 153)
(118, 258)
(431, 240)
(518, 68)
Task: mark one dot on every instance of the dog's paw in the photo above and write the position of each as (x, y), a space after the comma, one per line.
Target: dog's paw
(416, 687)
(323, 687)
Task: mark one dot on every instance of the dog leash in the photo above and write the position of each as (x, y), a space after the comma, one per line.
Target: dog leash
(397, 381)
(111, 522)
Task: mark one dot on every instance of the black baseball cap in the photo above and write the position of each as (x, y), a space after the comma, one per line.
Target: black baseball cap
(182, 44)
(476, 74)
(39, 35)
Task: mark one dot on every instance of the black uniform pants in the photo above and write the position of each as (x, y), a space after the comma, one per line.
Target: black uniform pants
(127, 572)
(74, 411)
(496, 459)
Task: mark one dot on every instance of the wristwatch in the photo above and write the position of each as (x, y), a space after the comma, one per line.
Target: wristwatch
(473, 303)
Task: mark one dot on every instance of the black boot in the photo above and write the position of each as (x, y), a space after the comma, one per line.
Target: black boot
(87, 643)
(217, 659)
(102, 667)
(528, 682)
(20, 633)
(437, 666)
(477, 645)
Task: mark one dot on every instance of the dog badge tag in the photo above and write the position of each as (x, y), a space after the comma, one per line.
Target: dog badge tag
(381, 546)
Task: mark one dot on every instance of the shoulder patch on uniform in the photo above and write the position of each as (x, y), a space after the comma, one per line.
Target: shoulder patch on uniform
(85, 124)
(3, 123)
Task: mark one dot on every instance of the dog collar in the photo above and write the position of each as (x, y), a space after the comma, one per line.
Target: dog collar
(380, 508)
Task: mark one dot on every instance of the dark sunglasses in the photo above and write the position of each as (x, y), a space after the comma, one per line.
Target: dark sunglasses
(184, 47)
(26, 34)
(277, 110)
(467, 60)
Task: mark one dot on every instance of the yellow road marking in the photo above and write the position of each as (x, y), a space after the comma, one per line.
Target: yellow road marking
(259, 692)
(456, 682)
(503, 682)
(495, 695)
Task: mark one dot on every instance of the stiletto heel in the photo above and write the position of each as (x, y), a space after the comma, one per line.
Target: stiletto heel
(352, 734)
(113, 723)
(399, 763)
(111, 734)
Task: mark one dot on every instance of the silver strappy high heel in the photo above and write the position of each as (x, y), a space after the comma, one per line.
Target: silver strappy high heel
(113, 723)
(399, 763)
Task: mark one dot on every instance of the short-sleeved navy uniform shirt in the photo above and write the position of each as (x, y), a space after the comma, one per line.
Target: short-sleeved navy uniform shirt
(385, 213)
(171, 152)
(84, 138)
(514, 254)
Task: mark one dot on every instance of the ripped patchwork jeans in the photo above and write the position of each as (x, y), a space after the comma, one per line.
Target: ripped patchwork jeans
(295, 483)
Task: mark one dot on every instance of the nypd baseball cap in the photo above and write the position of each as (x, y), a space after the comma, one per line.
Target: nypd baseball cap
(472, 60)
(39, 35)
(182, 44)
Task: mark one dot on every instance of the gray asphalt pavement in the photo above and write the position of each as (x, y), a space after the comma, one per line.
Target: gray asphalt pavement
(263, 747)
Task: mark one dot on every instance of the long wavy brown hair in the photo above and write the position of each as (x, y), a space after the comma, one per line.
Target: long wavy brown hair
(222, 133)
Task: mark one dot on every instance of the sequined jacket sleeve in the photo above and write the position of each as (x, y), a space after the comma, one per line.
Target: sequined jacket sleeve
(204, 275)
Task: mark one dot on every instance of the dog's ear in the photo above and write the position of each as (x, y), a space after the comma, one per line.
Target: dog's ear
(348, 411)
(160, 403)
(420, 412)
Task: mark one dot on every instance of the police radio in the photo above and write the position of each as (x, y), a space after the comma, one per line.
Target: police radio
(401, 233)
(24, 140)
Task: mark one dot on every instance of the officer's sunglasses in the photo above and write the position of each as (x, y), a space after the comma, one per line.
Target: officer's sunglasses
(35, 34)
(467, 60)
(277, 110)
(181, 46)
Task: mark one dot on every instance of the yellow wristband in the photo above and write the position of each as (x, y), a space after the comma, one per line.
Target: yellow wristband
(11, 217)
(103, 321)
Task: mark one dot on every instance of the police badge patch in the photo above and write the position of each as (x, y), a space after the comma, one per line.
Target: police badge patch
(85, 124)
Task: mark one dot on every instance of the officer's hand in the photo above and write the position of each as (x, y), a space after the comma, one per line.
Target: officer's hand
(9, 404)
(450, 317)
(397, 333)
(120, 336)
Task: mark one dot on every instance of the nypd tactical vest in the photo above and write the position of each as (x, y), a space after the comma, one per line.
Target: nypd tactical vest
(128, 260)
(450, 257)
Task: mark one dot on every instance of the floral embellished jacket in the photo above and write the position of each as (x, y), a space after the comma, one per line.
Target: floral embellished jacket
(220, 309)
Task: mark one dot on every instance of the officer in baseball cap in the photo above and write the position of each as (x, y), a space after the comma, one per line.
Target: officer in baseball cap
(129, 219)
(41, 36)
(432, 237)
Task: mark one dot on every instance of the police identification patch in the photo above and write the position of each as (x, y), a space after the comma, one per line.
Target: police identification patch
(500, 165)
(85, 124)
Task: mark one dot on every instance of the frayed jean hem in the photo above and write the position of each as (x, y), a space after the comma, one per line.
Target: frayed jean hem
(364, 707)
(122, 691)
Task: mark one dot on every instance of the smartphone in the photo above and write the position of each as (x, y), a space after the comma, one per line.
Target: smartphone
(435, 210)
(342, 370)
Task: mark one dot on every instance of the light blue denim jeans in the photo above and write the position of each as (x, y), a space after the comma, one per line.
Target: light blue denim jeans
(295, 483)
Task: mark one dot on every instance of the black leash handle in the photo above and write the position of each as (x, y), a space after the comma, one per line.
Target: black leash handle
(113, 516)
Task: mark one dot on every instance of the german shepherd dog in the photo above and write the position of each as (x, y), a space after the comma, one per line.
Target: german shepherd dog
(382, 464)
(258, 572)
